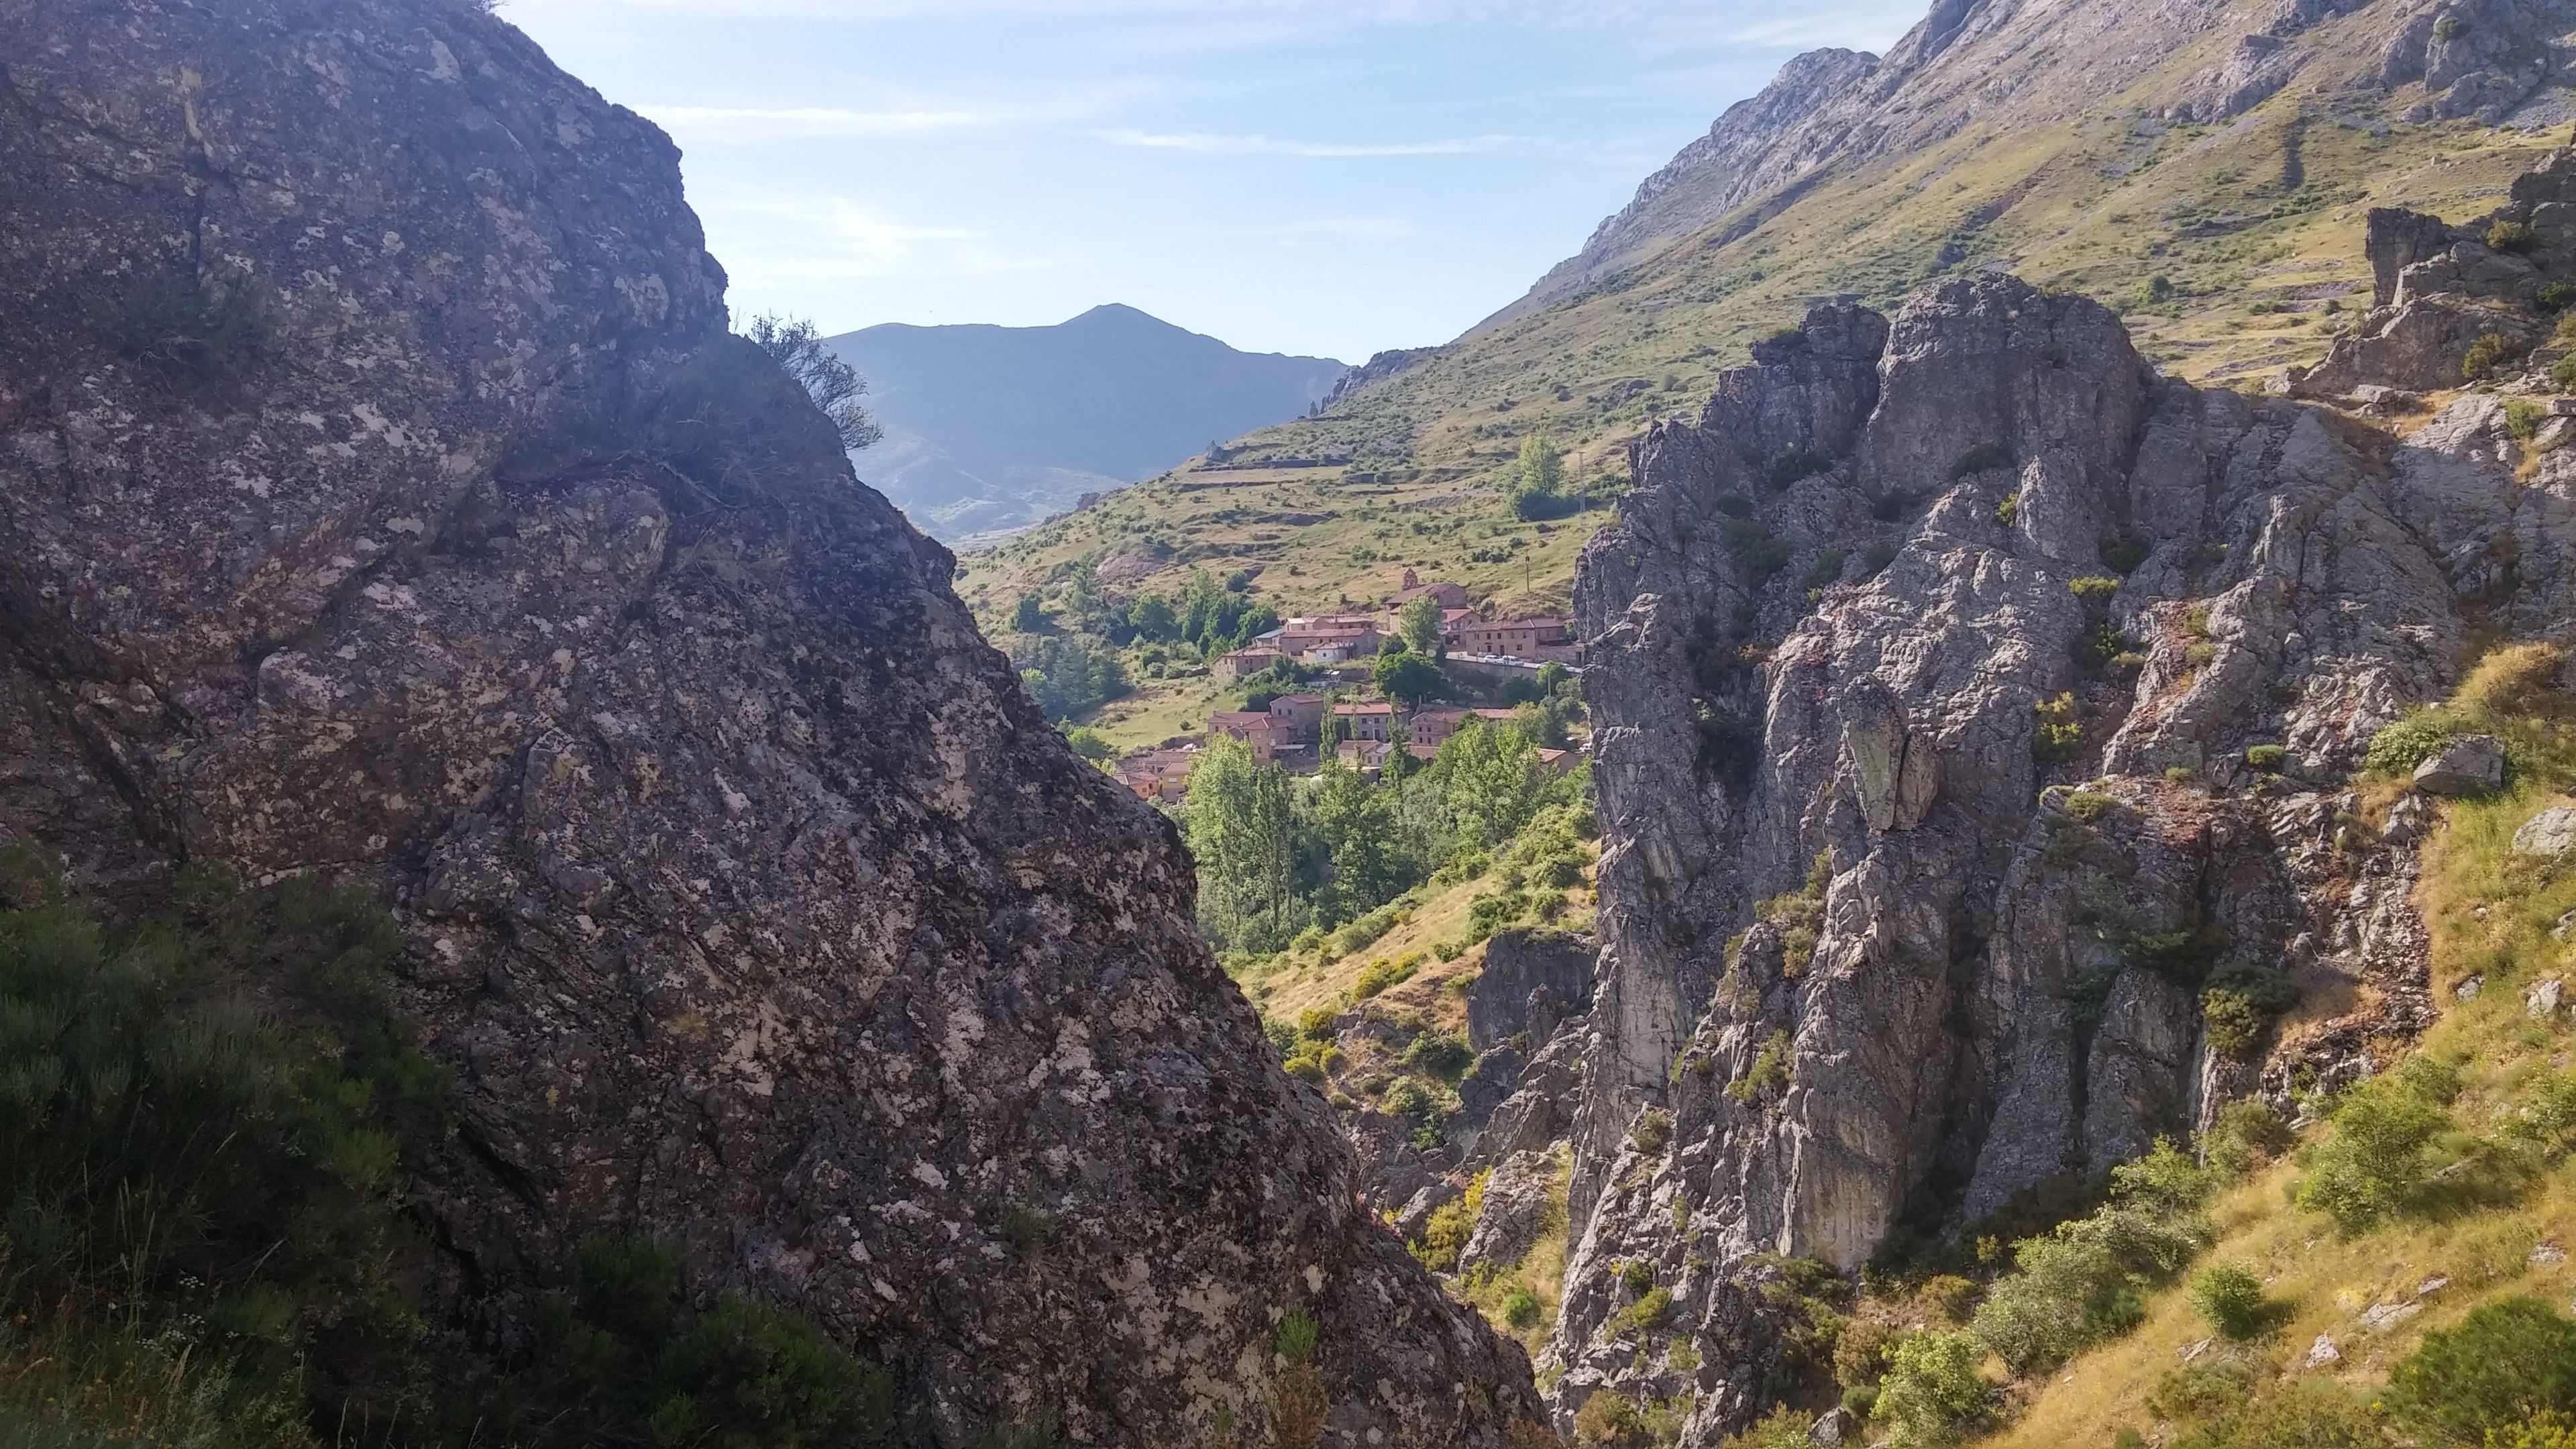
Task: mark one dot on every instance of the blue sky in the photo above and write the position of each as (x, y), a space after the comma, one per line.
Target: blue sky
(1313, 176)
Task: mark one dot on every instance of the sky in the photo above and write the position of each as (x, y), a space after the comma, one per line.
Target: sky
(1322, 177)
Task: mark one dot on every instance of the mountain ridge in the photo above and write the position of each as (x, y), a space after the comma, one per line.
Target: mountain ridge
(990, 428)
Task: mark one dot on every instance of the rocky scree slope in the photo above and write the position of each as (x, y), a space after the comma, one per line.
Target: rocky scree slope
(2005, 822)
(382, 495)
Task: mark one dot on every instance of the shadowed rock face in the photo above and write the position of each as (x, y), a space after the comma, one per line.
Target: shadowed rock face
(381, 494)
(1830, 624)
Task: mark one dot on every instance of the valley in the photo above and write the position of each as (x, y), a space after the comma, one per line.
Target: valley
(1928, 800)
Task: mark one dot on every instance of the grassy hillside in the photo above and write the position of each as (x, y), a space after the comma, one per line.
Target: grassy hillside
(2487, 1210)
(2255, 225)
(2391, 1269)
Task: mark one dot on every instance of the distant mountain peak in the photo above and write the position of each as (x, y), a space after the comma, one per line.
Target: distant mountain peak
(993, 428)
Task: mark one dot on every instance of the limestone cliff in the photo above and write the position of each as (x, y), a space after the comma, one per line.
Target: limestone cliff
(381, 494)
(1925, 670)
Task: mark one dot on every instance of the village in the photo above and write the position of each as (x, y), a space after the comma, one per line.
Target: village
(1341, 714)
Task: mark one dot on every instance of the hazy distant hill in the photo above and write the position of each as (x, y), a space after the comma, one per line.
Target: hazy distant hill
(996, 427)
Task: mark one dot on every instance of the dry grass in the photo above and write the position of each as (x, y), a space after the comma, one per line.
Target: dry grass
(2490, 913)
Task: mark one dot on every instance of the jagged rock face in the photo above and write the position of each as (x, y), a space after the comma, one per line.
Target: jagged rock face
(1992, 983)
(382, 495)
(2438, 288)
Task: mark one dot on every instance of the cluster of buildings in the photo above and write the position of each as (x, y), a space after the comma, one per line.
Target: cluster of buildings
(1290, 731)
(1335, 639)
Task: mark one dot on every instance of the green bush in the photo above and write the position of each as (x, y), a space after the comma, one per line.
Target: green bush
(2083, 1283)
(2490, 351)
(1647, 1313)
(1827, 568)
(2506, 1362)
(1522, 1310)
(2555, 296)
(1932, 1390)
(2522, 418)
(1442, 1054)
(209, 1168)
(2246, 1134)
(2094, 590)
(2379, 1160)
(1756, 553)
(2267, 758)
(2562, 373)
(2398, 748)
(1769, 1073)
(2231, 1300)
(2511, 236)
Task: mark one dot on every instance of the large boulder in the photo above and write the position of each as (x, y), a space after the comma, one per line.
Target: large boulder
(2551, 833)
(383, 495)
(2464, 765)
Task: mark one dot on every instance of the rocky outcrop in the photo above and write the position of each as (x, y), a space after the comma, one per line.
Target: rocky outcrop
(2437, 288)
(2000, 828)
(382, 495)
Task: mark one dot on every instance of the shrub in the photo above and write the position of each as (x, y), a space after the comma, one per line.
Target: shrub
(1378, 975)
(1754, 550)
(1654, 1127)
(2506, 1362)
(2511, 236)
(1979, 459)
(2085, 1282)
(1827, 568)
(1932, 1389)
(2541, 1431)
(2267, 758)
(2164, 1181)
(1606, 1418)
(2562, 373)
(1522, 1309)
(1769, 1072)
(1443, 1054)
(2377, 1162)
(2057, 733)
(2522, 418)
(1445, 1233)
(1316, 1023)
(2090, 805)
(1877, 557)
(1951, 1296)
(1861, 1352)
(2230, 1021)
(2490, 351)
(2094, 590)
(2515, 679)
(1298, 1405)
(1646, 1314)
(1782, 1428)
(1637, 1276)
(2398, 748)
(2554, 296)
(2231, 1300)
(2246, 1134)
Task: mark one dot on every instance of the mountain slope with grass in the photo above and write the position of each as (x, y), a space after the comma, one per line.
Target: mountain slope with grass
(994, 428)
(2204, 168)
(2009, 757)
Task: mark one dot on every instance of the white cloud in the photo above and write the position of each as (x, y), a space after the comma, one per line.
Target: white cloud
(767, 236)
(1207, 145)
(738, 123)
